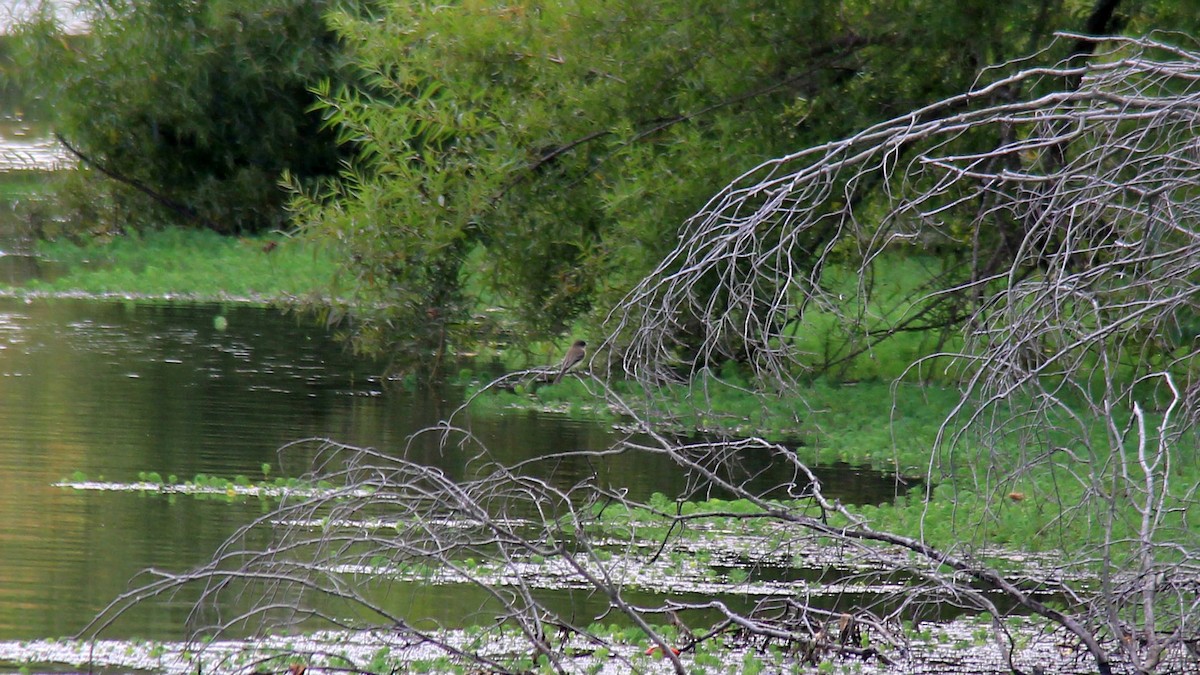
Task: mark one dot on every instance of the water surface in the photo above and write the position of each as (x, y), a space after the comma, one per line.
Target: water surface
(112, 389)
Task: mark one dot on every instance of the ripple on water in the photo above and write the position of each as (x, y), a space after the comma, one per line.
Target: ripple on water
(219, 402)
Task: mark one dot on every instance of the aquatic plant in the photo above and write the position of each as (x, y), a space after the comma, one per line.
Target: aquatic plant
(202, 485)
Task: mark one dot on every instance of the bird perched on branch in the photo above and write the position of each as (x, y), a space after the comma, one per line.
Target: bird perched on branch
(574, 355)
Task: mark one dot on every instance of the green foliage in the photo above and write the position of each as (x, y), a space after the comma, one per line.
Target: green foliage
(202, 482)
(203, 485)
(202, 103)
(536, 134)
(544, 156)
(851, 349)
(405, 215)
(752, 663)
(539, 157)
(890, 427)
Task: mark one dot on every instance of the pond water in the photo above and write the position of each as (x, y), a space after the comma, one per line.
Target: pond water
(117, 388)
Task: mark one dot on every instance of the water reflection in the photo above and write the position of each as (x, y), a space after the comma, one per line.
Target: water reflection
(112, 389)
(115, 388)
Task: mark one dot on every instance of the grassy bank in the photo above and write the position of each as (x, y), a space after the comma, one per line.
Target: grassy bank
(990, 488)
(16, 185)
(865, 423)
(192, 264)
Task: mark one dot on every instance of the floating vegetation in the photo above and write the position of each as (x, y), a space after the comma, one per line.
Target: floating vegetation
(708, 558)
(204, 485)
(963, 645)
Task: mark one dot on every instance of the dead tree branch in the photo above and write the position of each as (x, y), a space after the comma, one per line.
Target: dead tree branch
(1074, 213)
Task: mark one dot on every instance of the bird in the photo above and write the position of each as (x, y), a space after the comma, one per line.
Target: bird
(574, 355)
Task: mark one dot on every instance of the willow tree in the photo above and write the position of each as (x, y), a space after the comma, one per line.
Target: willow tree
(571, 138)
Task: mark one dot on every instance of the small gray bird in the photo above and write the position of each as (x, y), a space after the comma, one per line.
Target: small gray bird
(574, 355)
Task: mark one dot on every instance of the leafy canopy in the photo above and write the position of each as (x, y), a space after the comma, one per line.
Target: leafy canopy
(542, 156)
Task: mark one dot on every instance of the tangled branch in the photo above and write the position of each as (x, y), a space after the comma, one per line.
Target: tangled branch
(1063, 203)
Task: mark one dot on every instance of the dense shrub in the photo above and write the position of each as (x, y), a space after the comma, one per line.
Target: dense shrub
(187, 111)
